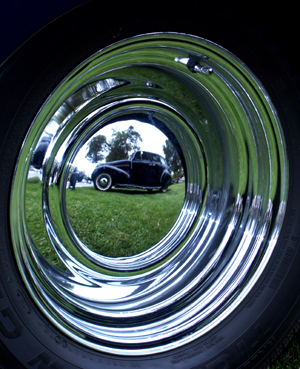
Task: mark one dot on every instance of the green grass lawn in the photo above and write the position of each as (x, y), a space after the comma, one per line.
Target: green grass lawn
(121, 222)
(290, 357)
(35, 223)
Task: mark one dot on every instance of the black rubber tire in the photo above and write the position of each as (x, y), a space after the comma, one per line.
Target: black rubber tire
(255, 333)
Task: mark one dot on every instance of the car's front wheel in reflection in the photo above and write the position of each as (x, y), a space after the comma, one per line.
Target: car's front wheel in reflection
(103, 182)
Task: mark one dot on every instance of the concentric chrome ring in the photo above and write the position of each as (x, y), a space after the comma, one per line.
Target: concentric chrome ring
(236, 190)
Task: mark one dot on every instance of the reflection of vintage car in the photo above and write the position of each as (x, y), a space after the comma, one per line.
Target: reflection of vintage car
(142, 170)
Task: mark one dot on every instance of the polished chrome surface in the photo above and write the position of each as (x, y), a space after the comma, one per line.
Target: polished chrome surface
(236, 177)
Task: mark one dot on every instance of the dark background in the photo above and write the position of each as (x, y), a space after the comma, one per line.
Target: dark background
(20, 19)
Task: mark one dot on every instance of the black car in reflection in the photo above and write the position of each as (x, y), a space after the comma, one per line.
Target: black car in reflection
(144, 170)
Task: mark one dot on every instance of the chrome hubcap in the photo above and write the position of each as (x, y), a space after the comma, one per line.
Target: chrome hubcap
(236, 190)
(104, 181)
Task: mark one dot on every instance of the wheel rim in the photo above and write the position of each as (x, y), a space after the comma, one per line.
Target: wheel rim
(236, 191)
(103, 182)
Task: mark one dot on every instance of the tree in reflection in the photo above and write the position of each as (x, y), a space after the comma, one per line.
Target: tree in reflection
(96, 147)
(173, 159)
(122, 143)
(119, 147)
